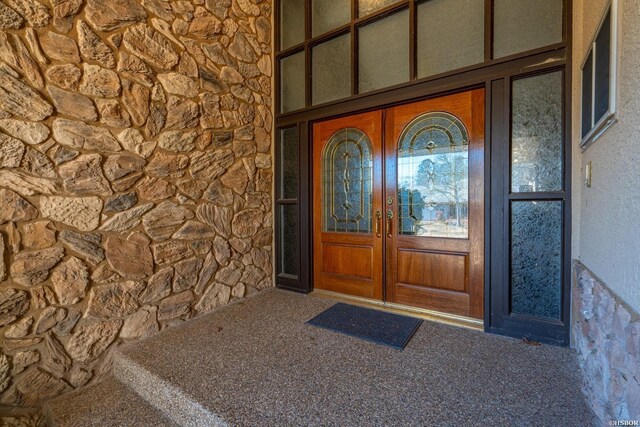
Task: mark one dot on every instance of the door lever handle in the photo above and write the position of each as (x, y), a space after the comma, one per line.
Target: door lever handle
(378, 219)
(389, 222)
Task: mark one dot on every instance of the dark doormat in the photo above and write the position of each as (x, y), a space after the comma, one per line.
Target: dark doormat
(371, 325)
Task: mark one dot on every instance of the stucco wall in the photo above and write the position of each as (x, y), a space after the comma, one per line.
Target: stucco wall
(135, 176)
(606, 221)
(605, 329)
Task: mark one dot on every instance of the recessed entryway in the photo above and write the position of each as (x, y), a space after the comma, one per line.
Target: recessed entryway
(399, 204)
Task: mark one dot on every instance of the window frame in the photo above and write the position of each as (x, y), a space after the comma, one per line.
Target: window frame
(357, 22)
(610, 117)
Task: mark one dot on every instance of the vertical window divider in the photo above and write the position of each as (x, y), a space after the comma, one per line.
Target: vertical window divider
(488, 30)
(307, 50)
(354, 49)
(593, 84)
(413, 34)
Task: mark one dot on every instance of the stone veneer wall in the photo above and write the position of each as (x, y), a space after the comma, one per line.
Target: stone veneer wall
(135, 176)
(606, 335)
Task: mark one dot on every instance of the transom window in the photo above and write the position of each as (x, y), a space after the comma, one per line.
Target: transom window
(333, 49)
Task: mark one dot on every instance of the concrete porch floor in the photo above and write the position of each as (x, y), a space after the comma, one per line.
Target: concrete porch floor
(257, 363)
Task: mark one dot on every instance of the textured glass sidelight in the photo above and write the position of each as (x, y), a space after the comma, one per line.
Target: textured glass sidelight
(291, 23)
(450, 35)
(536, 258)
(366, 7)
(292, 81)
(289, 239)
(328, 15)
(289, 163)
(537, 134)
(332, 69)
(433, 177)
(347, 182)
(522, 25)
(384, 52)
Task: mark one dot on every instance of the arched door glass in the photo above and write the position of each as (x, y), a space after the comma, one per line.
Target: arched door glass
(347, 182)
(433, 177)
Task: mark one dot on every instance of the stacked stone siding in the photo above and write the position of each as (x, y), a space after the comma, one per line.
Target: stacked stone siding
(135, 176)
(606, 335)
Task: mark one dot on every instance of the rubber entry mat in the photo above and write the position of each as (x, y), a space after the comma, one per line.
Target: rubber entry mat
(376, 326)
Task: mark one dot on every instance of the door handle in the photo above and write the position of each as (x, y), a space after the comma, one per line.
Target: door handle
(389, 222)
(378, 219)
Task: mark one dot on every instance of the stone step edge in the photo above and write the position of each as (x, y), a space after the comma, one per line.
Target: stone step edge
(170, 400)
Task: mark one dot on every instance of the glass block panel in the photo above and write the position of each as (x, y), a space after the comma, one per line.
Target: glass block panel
(289, 239)
(536, 258)
(603, 71)
(536, 134)
(366, 7)
(384, 52)
(289, 163)
(433, 177)
(291, 23)
(587, 94)
(292, 82)
(522, 25)
(328, 15)
(347, 182)
(450, 35)
(331, 73)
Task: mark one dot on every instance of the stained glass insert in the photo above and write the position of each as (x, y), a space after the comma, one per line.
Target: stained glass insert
(536, 135)
(433, 177)
(347, 182)
(536, 258)
(289, 163)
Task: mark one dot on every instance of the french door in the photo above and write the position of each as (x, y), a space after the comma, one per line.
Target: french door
(399, 204)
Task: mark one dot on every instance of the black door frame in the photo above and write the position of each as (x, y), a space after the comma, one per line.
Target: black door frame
(497, 318)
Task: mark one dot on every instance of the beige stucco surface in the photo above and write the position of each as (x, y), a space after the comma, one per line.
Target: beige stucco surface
(605, 216)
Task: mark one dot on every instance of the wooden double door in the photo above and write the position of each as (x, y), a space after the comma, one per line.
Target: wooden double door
(399, 204)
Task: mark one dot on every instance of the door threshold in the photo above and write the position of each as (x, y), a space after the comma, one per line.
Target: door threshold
(421, 313)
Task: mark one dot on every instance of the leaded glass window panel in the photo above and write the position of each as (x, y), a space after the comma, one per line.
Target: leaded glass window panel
(536, 134)
(347, 187)
(433, 177)
(536, 258)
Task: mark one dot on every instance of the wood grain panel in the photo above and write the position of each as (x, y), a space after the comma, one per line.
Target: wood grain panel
(433, 299)
(433, 269)
(347, 260)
